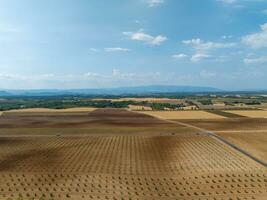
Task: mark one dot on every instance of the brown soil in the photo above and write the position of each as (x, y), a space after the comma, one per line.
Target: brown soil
(101, 122)
(249, 134)
(173, 167)
(100, 117)
(230, 124)
(181, 165)
(252, 142)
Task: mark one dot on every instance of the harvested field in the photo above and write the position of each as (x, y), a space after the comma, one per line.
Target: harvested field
(250, 113)
(187, 166)
(253, 142)
(229, 124)
(133, 156)
(183, 114)
(250, 134)
(225, 114)
(98, 122)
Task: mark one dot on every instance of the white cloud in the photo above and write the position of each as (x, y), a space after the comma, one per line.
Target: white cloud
(199, 56)
(115, 72)
(257, 40)
(91, 75)
(154, 3)
(227, 37)
(239, 1)
(110, 49)
(149, 39)
(200, 45)
(115, 49)
(203, 49)
(228, 1)
(262, 59)
(180, 56)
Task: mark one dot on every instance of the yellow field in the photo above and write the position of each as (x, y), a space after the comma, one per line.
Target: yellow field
(139, 108)
(38, 110)
(250, 113)
(183, 115)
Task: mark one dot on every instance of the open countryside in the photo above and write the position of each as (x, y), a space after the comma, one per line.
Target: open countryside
(120, 154)
(133, 100)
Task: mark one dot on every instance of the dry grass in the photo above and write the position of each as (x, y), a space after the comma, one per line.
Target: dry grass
(183, 114)
(40, 110)
(250, 113)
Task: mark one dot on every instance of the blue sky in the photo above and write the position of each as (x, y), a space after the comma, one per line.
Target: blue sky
(90, 44)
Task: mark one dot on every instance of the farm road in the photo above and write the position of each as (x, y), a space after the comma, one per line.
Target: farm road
(214, 135)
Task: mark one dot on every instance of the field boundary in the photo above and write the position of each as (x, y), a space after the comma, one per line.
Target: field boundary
(221, 139)
(214, 135)
(242, 131)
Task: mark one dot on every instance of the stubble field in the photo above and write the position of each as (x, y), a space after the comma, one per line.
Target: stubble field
(250, 113)
(132, 156)
(183, 114)
(249, 134)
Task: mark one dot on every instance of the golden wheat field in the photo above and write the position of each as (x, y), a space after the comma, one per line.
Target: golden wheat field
(181, 163)
(183, 114)
(250, 113)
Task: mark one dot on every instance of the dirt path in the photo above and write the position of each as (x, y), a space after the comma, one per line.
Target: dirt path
(224, 141)
(214, 135)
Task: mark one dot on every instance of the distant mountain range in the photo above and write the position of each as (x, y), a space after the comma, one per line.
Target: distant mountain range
(154, 89)
(140, 90)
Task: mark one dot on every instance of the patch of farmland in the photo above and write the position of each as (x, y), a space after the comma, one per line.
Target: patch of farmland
(98, 122)
(152, 100)
(250, 113)
(47, 110)
(186, 166)
(252, 142)
(229, 124)
(225, 114)
(139, 108)
(183, 114)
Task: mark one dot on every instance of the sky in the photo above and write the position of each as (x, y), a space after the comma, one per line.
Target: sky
(68, 44)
